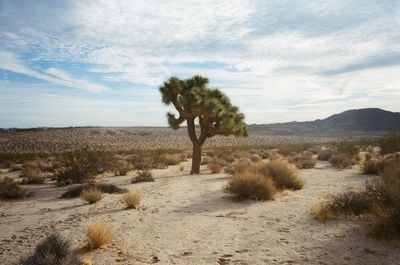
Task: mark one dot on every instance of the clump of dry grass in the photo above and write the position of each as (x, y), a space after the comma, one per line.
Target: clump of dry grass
(304, 160)
(216, 165)
(372, 166)
(238, 166)
(345, 204)
(131, 199)
(98, 235)
(284, 176)
(92, 195)
(181, 167)
(171, 159)
(341, 161)
(9, 189)
(249, 184)
(325, 154)
(121, 167)
(76, 191)
(143, 176)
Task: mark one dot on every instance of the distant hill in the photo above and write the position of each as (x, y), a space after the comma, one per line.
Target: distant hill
(357, 121)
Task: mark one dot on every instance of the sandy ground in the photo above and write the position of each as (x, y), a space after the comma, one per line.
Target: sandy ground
(189, 220)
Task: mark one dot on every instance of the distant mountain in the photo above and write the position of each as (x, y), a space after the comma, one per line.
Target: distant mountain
(357, 121)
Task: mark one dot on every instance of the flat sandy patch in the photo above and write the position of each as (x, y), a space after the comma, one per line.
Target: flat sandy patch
(189, 220)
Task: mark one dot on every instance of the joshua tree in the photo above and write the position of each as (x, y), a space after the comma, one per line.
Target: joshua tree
(193, 99)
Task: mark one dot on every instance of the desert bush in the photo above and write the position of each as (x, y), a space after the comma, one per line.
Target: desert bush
(9, 189)
(53, 250)
(172, 159)
(341, 161)
(387, 226)
(215, 168)
(121, 167)
(350, 148)
(15, 167)
(206, 160)
(238, 166)
(284, 176)
(389, 144)
(372, 166)
(304, 160)
(242, 154)
(345, 204)
(98, 235)
(249, 184)
(181, 167)
(143, 176)
(325, 154)
(91, 195)
(81, 166)
(131, 199)
(287, 149)
(76, 191)
(255, 158)
(391, 181)
(143, 165)
(31, 176)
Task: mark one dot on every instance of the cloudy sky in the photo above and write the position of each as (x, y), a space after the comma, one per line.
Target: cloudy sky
(77, 62)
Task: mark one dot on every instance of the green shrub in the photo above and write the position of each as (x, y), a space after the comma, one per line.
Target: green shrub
(9, 189)
(248, 184)
(81, 166)
(53, 250)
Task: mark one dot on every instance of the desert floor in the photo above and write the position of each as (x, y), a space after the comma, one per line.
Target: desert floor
(190, 220)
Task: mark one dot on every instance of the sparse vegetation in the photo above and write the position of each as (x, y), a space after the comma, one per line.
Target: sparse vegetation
(249, 184)
(304, 160)
(76, 191)
(372, 166)
(325, 154)
(143, 176)
(53, 250)
(91, 195)
(284, 176)
(341, 161)
(131, 199)
(9, 189)
(121, 167)
(98, 235)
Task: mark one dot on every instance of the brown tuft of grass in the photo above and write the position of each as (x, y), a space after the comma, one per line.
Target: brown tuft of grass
(215, 168)
(98, 235)
(238, 166)
(181, 167)
(171, 159)
(92, 195)
(341, 161)
(31, 175)
(121, 167)
(345, 204)
(131, 199)
(372, 166)
(282, 173)
(249, 184)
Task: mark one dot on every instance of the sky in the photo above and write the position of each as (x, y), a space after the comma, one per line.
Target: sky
(100, 63)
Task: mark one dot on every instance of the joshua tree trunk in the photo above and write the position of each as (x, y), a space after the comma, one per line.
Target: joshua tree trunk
(196, 159)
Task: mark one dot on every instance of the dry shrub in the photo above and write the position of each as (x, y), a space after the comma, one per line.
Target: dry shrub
(31, 176)
(171, 159)
(121, 167)
(345, 204)
(206, 160)
(325, 154)
(249, 184)
(53, 250)
(389, 144)
(284, 176)
(143, 176)
(181, 167)
(9, 189)
(92, 195)
(341, 161)
(216, 165)
(372, 166)
(131, 199)
(238, 166)
(76, 191)
(391, 181)
(242, 154)
(98, 235)
(15, 167)
(305, 160)
(143, 165)
(255, 158)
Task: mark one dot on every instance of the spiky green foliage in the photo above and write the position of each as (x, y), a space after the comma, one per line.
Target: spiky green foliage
(193, 99)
